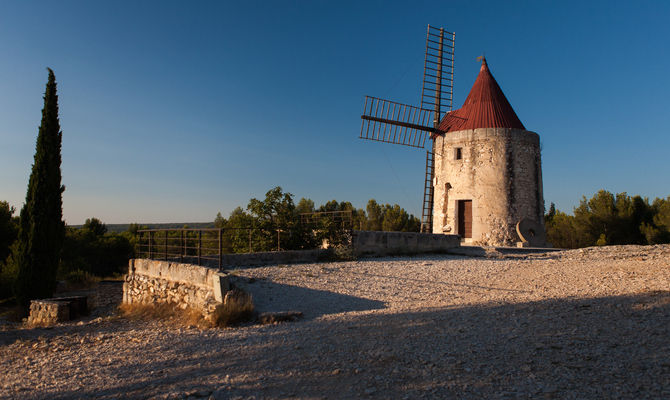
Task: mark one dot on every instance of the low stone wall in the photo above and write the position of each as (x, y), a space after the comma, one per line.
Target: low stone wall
(48, 312)
(373, 243)
(185, 285)
(57, 309)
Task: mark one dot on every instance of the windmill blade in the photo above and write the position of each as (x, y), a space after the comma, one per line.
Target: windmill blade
(391, 122)
(438, 72)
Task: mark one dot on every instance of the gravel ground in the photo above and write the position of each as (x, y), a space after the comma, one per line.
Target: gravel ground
(592, 323)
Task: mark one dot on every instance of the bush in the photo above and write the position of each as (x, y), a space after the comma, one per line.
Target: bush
(164, 312)
(7, 280)
(79, 279)
(91, 250)
(8, 274)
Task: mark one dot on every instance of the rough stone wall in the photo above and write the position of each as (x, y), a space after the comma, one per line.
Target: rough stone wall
(185, 285)
(499, 171)
(48, 312)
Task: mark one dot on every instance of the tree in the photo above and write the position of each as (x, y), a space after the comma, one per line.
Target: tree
(562, 231)
(8, 229)
(92, 250)
(236, 236)
(375, 216)
(41, 229)
(548, 217)
(277, 211)
(305, 206)
(95, 227)
(662, 215)
(219, 221)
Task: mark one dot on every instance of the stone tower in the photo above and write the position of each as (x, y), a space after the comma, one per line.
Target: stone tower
(487, 170)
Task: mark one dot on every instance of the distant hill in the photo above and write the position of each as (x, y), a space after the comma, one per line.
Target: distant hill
(118, 228)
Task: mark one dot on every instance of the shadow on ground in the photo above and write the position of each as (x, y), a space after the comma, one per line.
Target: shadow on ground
(272, 296)
(609, 347)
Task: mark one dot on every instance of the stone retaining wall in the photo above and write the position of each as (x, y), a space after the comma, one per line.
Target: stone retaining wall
(373, 243)
(185, 285)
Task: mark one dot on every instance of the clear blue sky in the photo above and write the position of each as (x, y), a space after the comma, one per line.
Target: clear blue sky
(172, 111)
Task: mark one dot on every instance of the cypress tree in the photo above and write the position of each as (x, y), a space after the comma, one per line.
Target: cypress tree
(41, 230)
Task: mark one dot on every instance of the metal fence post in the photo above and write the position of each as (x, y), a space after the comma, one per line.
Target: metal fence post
(138, 244)
(166, 245)
(151, 253)
(182, 250)
(278, 239)
(199, 245)
(220, 248)
(249, 240)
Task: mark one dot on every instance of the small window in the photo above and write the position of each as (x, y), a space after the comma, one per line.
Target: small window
(458, 153)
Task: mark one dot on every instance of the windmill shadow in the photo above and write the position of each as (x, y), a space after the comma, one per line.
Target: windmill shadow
(606, 347)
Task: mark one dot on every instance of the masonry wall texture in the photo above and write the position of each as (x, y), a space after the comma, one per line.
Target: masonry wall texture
(500, 172)
(185, 285)
(374, 243)
(48, 312)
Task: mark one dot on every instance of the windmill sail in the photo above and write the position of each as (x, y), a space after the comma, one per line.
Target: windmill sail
(438, 73)
(437, 94)
(391, 122)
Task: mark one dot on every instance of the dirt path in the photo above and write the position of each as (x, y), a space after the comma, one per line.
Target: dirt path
(593, 323)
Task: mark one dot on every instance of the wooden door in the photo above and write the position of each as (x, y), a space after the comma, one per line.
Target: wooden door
(465, 218)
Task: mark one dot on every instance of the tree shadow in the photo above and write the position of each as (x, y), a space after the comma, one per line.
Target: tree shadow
(607, 347)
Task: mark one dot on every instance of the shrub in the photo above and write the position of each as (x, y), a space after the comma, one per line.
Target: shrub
(79, 279)
(162, 311)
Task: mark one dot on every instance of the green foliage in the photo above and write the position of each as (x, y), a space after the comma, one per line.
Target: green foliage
(9, 229)
(91, 250)
(305, 206)
(9, 273)
(334, 233)
(661, 209)
(79, 279)
(219, 221)
(262, 218)
(41, 229)
(561, 231)
(375, 216)
(606, 219)
(95, 227)
(277, 211)
(237, 235)
(391, 218)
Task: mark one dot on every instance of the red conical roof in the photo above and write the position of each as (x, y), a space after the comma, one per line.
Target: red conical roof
(485, 107)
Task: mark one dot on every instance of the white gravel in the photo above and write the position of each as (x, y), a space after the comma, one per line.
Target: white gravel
(592, 323)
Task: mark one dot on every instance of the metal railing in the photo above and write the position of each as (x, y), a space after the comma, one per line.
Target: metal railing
(209, 245)
(203, 245)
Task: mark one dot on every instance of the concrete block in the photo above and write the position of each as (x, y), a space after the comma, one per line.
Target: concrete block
(220, 286)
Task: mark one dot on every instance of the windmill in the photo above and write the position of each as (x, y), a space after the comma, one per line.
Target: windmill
(391, 122)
